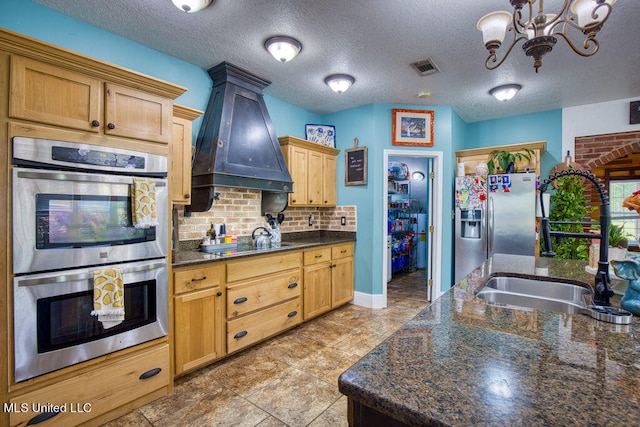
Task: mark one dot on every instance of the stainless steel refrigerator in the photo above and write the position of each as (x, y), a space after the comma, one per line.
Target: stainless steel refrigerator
(493, 214)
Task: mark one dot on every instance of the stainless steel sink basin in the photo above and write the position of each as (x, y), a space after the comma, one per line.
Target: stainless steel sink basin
(542, 294)
(560, 297)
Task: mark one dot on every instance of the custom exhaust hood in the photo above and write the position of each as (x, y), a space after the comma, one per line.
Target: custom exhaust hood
(237, 145)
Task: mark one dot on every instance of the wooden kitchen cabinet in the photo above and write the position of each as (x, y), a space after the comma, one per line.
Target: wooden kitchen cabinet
(199, 316)
(313, 171)
(264, 297)
(52, 95)
(473, 156)
(328, 278)
(180, 154)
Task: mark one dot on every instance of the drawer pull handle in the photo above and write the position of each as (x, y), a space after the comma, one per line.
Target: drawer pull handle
(318, 256)
(293, 313)
(150, 373)
(344, 251)
(199, 279)
(40, 418)
(240, 300)
(292, 285)
(240, 334)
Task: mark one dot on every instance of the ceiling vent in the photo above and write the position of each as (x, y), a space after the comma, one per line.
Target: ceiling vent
(425, 67)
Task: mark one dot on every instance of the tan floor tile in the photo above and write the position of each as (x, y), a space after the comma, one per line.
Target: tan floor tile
(325, 331)
(272, 422)
(328, 363)
(248, 372)
(335, 416)
(291, 348)
(132, 419)
(295, 397)
(360, 343)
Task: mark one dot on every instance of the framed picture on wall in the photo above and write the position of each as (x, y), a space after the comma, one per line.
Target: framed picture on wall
(412, 127)
(634, 112)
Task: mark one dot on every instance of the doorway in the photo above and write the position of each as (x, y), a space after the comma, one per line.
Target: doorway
(413, 211)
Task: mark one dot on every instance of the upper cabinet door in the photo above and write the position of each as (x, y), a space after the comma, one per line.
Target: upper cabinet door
(132, 113)
(51, 95)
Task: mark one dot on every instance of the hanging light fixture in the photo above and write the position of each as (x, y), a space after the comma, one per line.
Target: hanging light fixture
(541, 30)
(283, 48)
(339, 83)
(505, 92)
(191, 6)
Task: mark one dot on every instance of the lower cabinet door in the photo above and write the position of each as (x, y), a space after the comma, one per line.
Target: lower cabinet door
(262, 324)
(317, 289)
(342, 280)
(199, 328)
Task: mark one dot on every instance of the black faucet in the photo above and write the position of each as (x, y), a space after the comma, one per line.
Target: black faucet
(602, 285)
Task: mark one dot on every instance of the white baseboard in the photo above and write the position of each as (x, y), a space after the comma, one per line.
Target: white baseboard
(369, 300)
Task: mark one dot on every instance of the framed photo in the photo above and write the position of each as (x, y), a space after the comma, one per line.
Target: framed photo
(321, 134)
(412, 127)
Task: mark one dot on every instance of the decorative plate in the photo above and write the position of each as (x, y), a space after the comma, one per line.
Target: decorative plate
(321, 134)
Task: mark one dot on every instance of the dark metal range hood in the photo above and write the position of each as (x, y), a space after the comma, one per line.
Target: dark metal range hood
(237, 145)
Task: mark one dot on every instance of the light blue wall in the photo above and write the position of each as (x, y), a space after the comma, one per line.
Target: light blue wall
(545, 126)
(371, 124)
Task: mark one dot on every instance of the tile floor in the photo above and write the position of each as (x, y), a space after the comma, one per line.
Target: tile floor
(289, 380)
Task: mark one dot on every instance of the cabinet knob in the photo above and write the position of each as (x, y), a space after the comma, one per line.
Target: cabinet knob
(111, 126)
(240, 334)
(187, 196)
(42, 417)
(310, 201)
(293, 200)
(95, 123)
(150, 373)
(219, 294)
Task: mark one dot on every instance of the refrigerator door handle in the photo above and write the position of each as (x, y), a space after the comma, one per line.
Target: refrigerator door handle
(490, 214)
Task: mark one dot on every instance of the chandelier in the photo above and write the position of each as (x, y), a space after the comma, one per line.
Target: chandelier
(541, 31)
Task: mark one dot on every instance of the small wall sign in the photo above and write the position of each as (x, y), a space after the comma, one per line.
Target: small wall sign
(634, 112)
(355, 165)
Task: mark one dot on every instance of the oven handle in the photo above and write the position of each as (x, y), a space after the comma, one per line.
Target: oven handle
(84, 177)
(62, 278)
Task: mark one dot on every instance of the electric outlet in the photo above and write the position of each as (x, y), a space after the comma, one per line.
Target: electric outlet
(343, 220)
(310, 220)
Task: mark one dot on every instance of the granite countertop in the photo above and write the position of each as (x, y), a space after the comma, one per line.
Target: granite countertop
(462, 362)
(190, 254)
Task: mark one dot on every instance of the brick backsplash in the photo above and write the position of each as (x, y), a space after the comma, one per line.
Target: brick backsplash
(240, 210)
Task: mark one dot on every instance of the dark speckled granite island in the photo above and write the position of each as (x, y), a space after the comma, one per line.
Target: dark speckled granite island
(462, 362)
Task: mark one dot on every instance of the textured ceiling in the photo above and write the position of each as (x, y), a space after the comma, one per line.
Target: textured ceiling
(375, 41)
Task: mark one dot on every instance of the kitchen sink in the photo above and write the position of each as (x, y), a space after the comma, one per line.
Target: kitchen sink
(561, 297)
(543, 294)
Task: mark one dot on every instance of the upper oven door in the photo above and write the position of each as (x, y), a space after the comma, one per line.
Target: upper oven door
(71, 219)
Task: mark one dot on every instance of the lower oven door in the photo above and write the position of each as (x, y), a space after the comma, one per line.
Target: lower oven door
(53, 325)
(72, 219)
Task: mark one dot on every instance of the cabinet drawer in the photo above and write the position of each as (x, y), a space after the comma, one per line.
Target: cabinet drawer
(263, 292)
(342, 251)
(198, 278)
(315, 256)
(262, 324)
(99, 391)
(261, 266)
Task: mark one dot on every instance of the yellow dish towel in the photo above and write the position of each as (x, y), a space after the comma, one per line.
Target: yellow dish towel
(108, 297)
(143, 200)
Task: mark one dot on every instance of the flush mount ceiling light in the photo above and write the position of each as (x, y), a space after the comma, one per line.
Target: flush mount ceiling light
(505, 92)
(191, 6)
(283, 48)
(339, 82)
(541, 30)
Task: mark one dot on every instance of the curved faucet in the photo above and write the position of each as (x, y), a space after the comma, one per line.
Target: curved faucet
(602, 285)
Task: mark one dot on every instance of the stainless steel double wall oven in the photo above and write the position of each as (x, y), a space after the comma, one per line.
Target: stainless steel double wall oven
(72, 215)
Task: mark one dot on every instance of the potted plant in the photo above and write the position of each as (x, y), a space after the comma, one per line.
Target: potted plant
(507, 160)
(569, 204)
